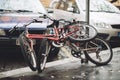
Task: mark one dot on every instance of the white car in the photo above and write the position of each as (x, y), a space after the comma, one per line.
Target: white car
(104, 16)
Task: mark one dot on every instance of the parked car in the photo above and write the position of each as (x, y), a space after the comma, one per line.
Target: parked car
(13, 12)
(104, 16)
(20, 12)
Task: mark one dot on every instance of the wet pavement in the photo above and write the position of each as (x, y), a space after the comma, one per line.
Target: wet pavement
(73, 70)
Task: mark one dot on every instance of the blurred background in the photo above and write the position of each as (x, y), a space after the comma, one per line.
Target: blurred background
(115, 2)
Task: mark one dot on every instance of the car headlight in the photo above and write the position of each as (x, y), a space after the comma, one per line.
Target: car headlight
(102, 25)
(2, 32)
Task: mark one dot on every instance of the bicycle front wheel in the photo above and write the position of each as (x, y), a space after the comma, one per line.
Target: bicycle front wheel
(84, 33)
(98, 51)
(43, 54)
(28, 52)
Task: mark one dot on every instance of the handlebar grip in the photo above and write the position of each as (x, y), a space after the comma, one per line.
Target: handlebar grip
(39, 21)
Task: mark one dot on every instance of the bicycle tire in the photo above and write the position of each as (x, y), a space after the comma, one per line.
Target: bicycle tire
(28, 53)
(42, 55)
(103, 54)
(85, 32)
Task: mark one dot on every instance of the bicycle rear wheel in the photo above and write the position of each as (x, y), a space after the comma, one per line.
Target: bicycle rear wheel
(43, 54)
(85, 32)
(98, 51)
(28, 52)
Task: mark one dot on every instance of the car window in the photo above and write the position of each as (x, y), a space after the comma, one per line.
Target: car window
(98, 6)
(28, 5)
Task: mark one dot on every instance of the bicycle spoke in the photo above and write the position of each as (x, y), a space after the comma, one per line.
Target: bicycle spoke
(102, 53)
(28, 52)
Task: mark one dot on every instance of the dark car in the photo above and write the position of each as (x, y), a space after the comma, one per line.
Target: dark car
(19, 12)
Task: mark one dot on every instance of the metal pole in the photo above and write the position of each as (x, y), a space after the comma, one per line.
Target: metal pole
(87, 14)
(87, 10)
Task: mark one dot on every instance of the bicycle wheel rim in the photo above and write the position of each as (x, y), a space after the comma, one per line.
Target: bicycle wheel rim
(28, 53)
(85, 32)
(103, 53)
(43, 54)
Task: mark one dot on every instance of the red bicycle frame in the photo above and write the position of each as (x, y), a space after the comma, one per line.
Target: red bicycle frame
(55, 36)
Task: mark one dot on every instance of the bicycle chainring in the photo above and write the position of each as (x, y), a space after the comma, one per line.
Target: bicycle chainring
(76, 54)
(57, 44)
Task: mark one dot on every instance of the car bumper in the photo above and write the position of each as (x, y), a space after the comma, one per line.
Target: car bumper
(7, 41)
(13, 42)
(111, 35)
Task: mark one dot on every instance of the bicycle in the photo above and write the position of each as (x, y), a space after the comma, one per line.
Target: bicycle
(90, 43)
(77, 34)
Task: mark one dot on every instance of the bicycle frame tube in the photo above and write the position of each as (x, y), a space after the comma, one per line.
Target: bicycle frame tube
(54, 37)
(41, 36)
(72, 32)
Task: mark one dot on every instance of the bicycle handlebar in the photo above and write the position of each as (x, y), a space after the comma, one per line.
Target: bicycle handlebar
(55, 22)
(13, 29)
(16, 27)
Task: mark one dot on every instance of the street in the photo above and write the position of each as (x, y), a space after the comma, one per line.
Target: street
(64, 69)
(39, 28)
